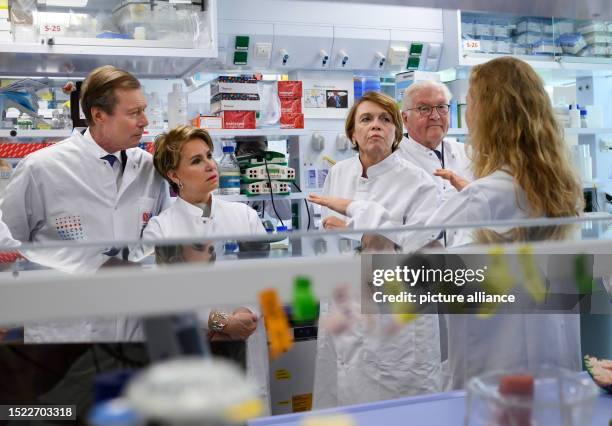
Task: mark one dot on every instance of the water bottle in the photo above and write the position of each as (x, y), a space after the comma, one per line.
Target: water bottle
(229, 173)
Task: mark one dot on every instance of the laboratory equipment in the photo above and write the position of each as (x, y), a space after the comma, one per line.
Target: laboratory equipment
(177, 106)
(545, 396)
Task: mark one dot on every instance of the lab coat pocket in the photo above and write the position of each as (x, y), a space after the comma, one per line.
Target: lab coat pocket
(144, 207)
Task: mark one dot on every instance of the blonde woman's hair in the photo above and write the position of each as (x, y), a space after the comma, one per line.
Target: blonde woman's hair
(513, 128)
(168, 148)
(385, 102)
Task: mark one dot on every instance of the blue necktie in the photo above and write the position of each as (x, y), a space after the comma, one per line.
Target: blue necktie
(110, 158)
(438, 154)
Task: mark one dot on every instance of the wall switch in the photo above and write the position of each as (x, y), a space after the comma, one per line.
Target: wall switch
(263, 51)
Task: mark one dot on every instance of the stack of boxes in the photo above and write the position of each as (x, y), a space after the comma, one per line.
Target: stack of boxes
(290, 94)
(5, 24)
(235, 100)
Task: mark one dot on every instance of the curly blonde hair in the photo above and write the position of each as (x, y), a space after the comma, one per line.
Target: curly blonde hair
(513, 128)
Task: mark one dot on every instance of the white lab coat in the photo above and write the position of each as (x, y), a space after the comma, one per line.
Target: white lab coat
(66, 192)
(6, 239)
(370, 364)
(455, 159)
(503, 341)
(184, 220)
(407, 193)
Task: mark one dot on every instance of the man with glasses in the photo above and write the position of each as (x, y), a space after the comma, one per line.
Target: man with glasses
(426, 117)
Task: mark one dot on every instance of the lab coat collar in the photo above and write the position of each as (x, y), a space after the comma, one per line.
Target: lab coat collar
(378, 169)
(193, 210)
(411, 143)
(91, 147)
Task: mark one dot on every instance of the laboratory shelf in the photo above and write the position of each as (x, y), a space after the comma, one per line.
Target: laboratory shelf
(265, 197)
(230, 133)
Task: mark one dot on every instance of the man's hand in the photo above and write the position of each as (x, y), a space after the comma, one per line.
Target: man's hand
(339, 205)
(333, 222)
(458, 182)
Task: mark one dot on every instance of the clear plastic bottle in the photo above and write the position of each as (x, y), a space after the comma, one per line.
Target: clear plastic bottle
(177, 106)
(229, 173)
(583, 119)
(156, 114)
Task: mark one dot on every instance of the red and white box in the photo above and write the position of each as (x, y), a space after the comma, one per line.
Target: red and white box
(290, 89)
(238, 119)
(291, 106)
(292, 121)
(207, 122)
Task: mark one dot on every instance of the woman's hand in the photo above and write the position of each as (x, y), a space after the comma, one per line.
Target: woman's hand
(339, 205)
(458, 182)
(333, 222)
(241, 324)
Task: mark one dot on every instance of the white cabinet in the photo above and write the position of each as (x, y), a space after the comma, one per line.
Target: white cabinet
(301, 47)
(132, 35)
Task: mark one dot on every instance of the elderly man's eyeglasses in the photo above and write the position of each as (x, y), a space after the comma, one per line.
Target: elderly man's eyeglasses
(425, 110)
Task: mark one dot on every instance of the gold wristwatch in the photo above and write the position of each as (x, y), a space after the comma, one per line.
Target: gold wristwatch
(218, 321)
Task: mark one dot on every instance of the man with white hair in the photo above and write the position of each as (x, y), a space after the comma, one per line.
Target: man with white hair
(425, 112)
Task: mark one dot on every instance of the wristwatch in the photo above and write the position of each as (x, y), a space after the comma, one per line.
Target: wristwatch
(218, 321)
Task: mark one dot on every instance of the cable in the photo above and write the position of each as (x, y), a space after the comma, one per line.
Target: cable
(307, 208)
(272, 191)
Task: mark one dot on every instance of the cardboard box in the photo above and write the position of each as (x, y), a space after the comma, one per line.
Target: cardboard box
(291, 106)
(230, 87)
(207, 122)
(235, 102)
(292, 121)
(290, 89)
(238, 119)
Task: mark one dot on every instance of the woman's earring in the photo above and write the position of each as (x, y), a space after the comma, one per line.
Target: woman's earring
(180, 184)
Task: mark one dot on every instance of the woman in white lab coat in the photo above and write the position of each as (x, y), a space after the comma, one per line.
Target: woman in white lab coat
(184, 157)
(368, 362)
(522, 171)
(379, 173)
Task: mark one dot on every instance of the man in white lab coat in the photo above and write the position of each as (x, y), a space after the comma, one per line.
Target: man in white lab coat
(426, 119)
(95, 186)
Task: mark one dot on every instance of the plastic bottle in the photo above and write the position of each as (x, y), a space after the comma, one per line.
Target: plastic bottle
(574, 114)
(229, 173)
(156, 114)
(583, 119)
(177, 106)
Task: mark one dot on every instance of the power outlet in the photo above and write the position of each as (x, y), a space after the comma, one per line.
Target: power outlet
(263, 51)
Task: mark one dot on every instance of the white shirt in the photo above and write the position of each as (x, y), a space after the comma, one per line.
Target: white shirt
(67, 192)
(184, 220)
(363, 364)
(455, 159)
(494, 197)
(407, 193)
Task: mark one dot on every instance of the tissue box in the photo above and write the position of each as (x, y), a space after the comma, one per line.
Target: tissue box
(291, 106)
(290, 89)
(292, 121)
(238, 119)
